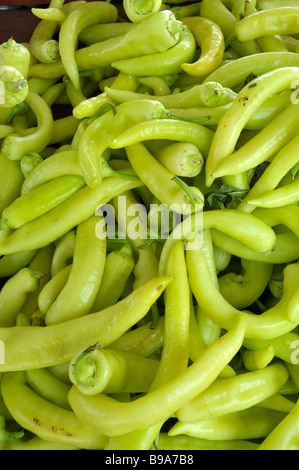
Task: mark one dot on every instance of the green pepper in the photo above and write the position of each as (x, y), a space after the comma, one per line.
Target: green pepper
(40, 200)
(97, 370)
(16, 146)
(84, 278)
(282, 20)
(160, 63)
(235, 394)
(112, 417)
(259, 423)
(118, 267)
(15, 55)
(54, 224)
(157, 33)
(13, 87)
(80, 18)
(14, 292)
(41, 417)
(247, 101)
(25, 347)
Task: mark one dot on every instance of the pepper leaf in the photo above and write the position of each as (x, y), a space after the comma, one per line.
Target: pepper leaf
(225, 198)
(258, 172)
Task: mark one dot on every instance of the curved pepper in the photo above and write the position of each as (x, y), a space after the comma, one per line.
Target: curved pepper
(39, 347)
(42, 417)
(112, 417)
(246, 103)
(242, 290)
(78, 294)
(139, 11)
(63, 218)
(161, 63)
(80, 18)
(40, 201)
(282, 20)
(259, 423)
(16, 146)
(209, 38)
(235, 393)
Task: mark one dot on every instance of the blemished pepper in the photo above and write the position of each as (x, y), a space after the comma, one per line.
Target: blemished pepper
(41, 416)
(246, 103)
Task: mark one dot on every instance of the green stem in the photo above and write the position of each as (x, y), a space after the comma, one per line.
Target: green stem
(21, 108)
(101, 111)
(199, 120)
(194, 199)
(107, 171)
(6, 435)
(229, 40)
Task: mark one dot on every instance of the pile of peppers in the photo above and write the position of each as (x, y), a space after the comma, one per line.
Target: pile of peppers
(112, 341)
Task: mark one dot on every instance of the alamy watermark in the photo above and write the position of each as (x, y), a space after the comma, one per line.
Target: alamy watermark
(159, 222)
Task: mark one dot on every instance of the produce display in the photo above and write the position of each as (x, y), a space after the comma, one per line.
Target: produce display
(149, 227)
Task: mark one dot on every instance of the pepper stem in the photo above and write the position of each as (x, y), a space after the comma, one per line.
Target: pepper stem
(16, 86)
(199, 120)
(7, 435)
(194, 199)
(107, 171)
(101, 111)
